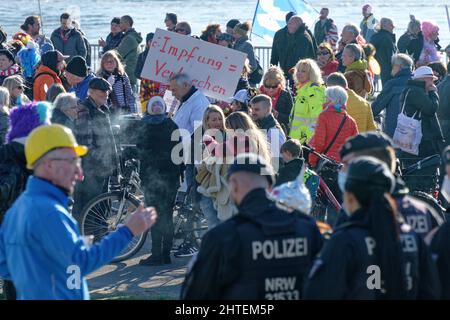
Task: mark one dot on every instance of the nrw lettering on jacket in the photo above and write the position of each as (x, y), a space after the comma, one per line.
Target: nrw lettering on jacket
(280, 249)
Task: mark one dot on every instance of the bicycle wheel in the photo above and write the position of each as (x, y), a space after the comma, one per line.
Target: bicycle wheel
(101, 216)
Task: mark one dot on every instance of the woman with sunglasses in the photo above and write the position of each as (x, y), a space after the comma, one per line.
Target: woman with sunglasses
(16, 87)
(274, 85)
(326, 60)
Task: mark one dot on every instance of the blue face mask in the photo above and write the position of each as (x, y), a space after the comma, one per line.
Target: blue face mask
(342, 178)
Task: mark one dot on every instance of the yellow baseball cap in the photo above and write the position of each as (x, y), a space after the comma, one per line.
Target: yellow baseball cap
(49, 137)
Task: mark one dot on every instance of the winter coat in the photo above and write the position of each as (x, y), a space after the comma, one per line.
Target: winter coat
(81, 89)
(129, 50)
(367, 27)
(140, 63)
(274, 133)
(326, 32)
(61, 118)
(72, 44)
(4, 125)
(444, 99)
(158, 170)
(425, 105)
(327, 125)
(288, 49)
(190, 112)
(404, 41)
(13, 174)
(308, 105)
(389, 100)
(48, 78)
(122, 96)
(39, 231)
(244, 45)
(112, 41)
(384, 43)
(95, 132)
(359, 109)
(359, 78)
(290, 171)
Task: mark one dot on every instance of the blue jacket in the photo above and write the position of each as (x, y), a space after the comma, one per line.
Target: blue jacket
(389, 99)
(81, 89)
(41, 249)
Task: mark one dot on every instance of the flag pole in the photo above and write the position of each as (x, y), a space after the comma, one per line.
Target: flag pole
(448, 16)
(40, 15)
(254, 17)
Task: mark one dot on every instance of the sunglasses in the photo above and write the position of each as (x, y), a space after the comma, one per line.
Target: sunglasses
(323, 53)
(271, 87)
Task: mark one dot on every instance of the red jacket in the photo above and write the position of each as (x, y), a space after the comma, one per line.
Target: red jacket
(327, 125)
(329, 68)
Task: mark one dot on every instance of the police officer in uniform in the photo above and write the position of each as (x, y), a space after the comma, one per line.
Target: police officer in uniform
(373, 255)
(261, 253)
(418, 214)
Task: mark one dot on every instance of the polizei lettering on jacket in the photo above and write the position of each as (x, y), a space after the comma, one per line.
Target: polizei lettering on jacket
(280, 249)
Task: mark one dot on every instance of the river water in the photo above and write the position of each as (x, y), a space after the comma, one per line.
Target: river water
(95, 15)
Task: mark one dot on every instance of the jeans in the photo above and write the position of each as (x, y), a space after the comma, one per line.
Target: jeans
(207, 206)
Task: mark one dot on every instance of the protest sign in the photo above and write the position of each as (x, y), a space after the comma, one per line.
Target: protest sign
(213, 69)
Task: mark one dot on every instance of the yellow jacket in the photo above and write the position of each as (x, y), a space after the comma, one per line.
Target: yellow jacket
(359, 109)
(308, 105)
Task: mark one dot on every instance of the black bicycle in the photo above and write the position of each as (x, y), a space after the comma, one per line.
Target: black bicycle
(106, 212)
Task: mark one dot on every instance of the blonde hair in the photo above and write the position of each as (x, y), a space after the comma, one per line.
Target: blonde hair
(212, 109)
(12, 82)
(4, 97)
(120, 68)
(315, 75)
(258, 141)
(275, 75)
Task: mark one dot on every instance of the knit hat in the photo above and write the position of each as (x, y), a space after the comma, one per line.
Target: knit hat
(367, 8)
(24, 119)
(77, 66)
(149, 37)
(156, 106)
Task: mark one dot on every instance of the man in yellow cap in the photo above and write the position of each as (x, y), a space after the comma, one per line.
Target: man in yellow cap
(41, 249)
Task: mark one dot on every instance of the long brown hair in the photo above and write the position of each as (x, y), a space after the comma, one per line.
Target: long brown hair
(120, 68)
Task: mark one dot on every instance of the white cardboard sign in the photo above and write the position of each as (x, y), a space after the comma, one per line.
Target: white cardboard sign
(213, 69)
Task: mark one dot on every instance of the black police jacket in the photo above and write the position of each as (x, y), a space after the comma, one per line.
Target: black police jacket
(440, 246)
(346, 266)
(261, 253)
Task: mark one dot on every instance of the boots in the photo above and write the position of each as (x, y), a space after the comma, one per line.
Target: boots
(153, 260)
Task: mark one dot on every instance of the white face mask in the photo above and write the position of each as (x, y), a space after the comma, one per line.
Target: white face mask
(445, 190)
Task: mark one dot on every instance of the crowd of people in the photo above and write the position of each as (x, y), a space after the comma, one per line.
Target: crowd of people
(243, 160)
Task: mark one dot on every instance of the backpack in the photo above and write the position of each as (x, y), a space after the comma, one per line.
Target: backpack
(256, 76)
(30, 84)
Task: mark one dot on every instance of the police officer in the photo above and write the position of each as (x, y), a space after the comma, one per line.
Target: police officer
(441, 240)
(373, 255)
(419, 215)
(261, 253)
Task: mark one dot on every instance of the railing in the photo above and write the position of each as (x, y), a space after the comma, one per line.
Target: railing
(263, 53)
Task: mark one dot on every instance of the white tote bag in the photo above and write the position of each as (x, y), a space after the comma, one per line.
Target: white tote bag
(408, 133)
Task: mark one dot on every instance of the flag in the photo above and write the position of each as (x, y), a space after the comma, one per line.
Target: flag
(270, 16)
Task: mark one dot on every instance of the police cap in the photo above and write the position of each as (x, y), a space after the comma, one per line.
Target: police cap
(364, 141)
(100, 84)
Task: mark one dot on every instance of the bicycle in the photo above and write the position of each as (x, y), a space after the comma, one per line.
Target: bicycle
(187, 220)
(326, 206)
(106, 212)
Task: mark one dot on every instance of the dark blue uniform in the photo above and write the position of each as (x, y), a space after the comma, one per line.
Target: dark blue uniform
(261, 253)
(419, 215)
(440, 246)
(347, 266)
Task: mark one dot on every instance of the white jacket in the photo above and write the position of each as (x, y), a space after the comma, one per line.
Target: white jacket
(189, 114)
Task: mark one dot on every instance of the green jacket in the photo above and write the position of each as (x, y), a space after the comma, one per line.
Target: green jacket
(129, 51)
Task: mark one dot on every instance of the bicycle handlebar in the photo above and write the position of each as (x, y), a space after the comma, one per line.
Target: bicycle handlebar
(320, 155)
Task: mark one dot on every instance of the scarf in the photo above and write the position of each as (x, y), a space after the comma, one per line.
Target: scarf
(357, 65)
(275, 98)
(14, 69)
(336, 107)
